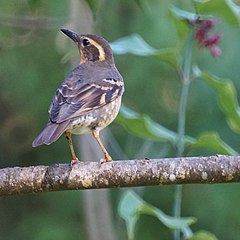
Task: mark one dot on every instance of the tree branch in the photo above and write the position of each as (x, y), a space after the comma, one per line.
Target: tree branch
(125, 173)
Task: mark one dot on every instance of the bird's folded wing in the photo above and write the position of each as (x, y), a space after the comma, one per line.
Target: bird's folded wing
(70, 102)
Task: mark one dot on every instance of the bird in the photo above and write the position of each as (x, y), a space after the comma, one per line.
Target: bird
(88, 99)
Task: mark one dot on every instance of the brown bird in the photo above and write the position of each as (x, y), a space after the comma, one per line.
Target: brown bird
(89, 98)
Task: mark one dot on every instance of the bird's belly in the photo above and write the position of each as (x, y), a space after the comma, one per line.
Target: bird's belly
(96, 119)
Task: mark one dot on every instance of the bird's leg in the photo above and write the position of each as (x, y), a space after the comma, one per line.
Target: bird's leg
(106, 154)
(74, 157)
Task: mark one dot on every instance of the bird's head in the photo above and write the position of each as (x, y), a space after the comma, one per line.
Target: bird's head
(92, 47)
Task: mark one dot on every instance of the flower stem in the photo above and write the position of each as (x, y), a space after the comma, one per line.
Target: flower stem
(182, 120)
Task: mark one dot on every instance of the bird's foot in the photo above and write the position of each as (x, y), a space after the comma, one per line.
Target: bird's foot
(74, 162)
(106, 159)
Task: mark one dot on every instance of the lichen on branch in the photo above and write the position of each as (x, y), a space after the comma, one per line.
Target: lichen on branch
(125, 173)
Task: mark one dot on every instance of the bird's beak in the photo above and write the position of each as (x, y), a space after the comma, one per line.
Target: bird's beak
(74, 36)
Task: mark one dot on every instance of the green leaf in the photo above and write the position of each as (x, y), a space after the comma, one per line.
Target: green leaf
(203, 235)
(168, 221)
(127, 209)
(169, 55)
(222, 8)
(227, 98)
(143, 126)
(136, 45)
(131, 206)
(184, 15)
(212, 141)
(181, 27)
(235, 8)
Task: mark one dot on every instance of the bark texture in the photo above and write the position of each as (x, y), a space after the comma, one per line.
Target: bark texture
(125, 173)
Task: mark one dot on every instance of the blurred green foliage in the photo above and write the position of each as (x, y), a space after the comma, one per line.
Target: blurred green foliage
(31, 69)
(131, 207)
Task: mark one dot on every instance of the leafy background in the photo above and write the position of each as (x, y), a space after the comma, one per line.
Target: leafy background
(35, 58)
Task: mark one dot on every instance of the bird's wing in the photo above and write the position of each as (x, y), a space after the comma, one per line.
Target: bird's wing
(71, 101)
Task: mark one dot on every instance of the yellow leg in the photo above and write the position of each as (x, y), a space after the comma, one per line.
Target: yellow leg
(107, 156)
(68, 136)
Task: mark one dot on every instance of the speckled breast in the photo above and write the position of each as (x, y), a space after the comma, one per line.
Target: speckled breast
(96, 119)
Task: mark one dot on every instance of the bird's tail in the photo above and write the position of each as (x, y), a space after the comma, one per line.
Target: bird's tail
(50, 133)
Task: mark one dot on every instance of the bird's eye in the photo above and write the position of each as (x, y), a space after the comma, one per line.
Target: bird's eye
(85, 42)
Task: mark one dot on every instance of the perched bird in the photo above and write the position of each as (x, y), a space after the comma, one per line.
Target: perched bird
(89, 98)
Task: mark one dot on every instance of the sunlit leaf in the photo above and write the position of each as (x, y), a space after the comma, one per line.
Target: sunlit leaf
(136, 45)
(131, 206)
(143, 126)
(227, 98)
(220, 8)
(203, 235)
(213, 142)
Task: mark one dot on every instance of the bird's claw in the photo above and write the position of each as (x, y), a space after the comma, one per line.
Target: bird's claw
(74, 162)
(104, 160)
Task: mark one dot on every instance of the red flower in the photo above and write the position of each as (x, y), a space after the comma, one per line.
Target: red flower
(216, 51)
(203, 37)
